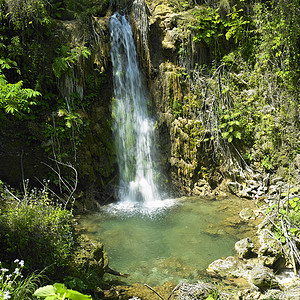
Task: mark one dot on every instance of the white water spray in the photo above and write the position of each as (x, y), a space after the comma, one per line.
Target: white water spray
(133, 128)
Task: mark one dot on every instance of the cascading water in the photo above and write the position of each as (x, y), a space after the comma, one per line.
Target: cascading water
(133, 128)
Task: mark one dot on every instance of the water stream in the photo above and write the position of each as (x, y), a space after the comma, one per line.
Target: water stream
(152, 239)
(133, 128)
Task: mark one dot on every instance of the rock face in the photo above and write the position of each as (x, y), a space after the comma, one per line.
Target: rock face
(263, 278)
(244, 247)
(228, 267)
(168, 55)
(91, 258)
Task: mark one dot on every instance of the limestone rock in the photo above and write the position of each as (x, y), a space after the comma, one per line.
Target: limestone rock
(194, 291)
(244, 247)
(228, 267)
(263, 277)
(201, 188)
(270, 249)
(91, 257)
(293, 290)
(246, 214)
(273, 294)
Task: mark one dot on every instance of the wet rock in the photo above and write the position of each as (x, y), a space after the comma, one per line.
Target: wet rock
(228, 267)
(263, 278)
(293, 290)
(235, 187)
(246, 214)
(273, 294)
(138, 291)
(194, 291)
(202, 188)
(91, 257)
(244, 247)
(270, 250)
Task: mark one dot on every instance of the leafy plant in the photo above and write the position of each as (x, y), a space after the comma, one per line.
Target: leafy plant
(14, 286)
(59, 291)
(230, 127)
(68, 58)
(211, 28)
(209, 25)
(71, 118)
(13, 97)
(266, 163)
(37, 230)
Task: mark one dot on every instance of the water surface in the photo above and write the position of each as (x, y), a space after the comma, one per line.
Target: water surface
(173, 244)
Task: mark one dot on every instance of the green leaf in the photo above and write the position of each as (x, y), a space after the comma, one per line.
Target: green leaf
(45, 291)
(60, 288)
(237, 135)
(68, 123)
(230, 139)
(74, 295)
(225, 135)
(51, 297)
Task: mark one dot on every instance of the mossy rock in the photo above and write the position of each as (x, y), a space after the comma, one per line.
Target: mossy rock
(90, 262)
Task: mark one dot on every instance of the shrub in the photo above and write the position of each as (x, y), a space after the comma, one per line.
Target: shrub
(37, 231)
(14, 286)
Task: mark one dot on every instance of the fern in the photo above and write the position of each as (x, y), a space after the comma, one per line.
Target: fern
(13, 98)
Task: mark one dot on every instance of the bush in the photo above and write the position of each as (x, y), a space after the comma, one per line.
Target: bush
(14, 286)
(38, 232)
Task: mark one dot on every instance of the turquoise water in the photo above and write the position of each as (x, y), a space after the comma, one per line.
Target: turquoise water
(177, 243)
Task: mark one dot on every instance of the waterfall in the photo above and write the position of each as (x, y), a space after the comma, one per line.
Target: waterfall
(133, 128)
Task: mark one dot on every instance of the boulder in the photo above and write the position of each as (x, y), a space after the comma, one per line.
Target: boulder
(273, 294)
(263, 278)
(197, 291)
(270, 250)
(293, 290)
(247, 213)
(91, 257)
(244, 247)
(228, 267)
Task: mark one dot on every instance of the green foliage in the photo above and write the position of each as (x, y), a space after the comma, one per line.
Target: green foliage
(177, 109)
(71, 118)
(14, 286)
(59, 291)
(209, 26)
(247, 97)
(68, 58)
(13, 97)
(230, 127)
(75, 283)
(278, 31)
(266, 163)
(180, 5)
(25, 14)
(66, 129)
(37, 230)
(218, 32)
(289, 212)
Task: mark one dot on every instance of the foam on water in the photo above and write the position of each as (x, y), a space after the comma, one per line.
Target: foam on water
(133, 128)
(148, 209)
